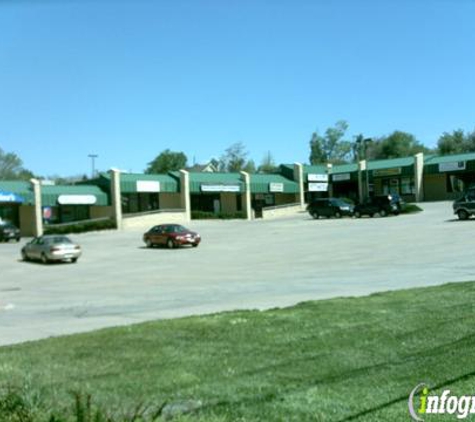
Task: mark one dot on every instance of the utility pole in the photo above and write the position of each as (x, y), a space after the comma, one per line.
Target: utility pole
(93, 161)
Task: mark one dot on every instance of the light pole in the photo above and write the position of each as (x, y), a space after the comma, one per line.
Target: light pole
(93, 161)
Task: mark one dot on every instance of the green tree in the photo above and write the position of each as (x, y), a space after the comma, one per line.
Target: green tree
(167, 161)
(396, 145)
(268, 164)
(11, 167)
(235, 159)
(456, 142)
(331, 147)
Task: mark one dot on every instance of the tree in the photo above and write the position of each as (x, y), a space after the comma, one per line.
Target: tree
(268, 164)
(330, 148)
(235, 159)
(167, 161)
(11, 167)
(457, 142)
(396, 145)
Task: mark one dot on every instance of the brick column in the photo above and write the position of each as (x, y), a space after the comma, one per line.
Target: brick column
(418, 176)
(185, 193)
(116, 198)
(38, 222)
(298, 177)
(247, 195)
(361, 180)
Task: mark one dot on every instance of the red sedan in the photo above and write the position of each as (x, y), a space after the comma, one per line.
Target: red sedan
(171, 235)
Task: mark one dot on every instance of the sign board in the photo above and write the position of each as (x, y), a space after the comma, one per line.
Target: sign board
(387, 172)
(317, 177)
(77, 199)
(220, 188)
(452, 166)
(276, 187)
(318, 187)
(341, 177)
(147, 186)
(47, 213)
(10, 197)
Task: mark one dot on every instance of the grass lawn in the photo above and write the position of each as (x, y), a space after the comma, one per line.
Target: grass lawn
(333, 360)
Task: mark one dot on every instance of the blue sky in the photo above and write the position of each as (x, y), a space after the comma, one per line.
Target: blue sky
(128, 79)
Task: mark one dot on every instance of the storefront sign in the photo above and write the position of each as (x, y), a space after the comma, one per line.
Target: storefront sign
(10, 197)
(387, 172)
(318, 187)
(47, 213)
(220, 188)
(317, 177)
(452, 166)
(341, 177)
(276, 187)
(77, 199)
(147, 186)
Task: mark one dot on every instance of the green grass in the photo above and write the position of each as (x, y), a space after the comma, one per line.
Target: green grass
(334, 360)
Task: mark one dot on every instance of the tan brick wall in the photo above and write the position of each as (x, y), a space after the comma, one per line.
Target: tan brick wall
(228, 202)
(27, 220)
(101, 212)
(286, 198)
(435, 187)
(170, 201)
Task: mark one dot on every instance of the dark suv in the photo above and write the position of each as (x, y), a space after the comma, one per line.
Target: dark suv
(329, 207)
(464, 207)
(9, 231)
(380, 204)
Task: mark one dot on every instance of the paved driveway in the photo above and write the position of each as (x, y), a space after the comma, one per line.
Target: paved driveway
(258, 264)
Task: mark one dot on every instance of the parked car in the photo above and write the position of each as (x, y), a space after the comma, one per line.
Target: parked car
(464, 206)
(171, 236)
(51, 248)
(380, 204)
(9, 231)
(329, 207)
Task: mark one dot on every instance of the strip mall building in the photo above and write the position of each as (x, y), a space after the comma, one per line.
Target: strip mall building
(146, 199)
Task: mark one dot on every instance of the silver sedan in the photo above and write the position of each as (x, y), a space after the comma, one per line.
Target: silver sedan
(51, 248)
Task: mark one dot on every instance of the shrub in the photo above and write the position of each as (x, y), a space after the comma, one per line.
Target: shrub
(411, 208)
(207, 215)
(80, 227)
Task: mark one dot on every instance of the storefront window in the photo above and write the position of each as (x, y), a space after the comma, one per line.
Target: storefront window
(407, 186)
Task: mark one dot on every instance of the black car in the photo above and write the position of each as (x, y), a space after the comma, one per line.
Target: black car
(329, 207)
(9, 231)
(380, 204)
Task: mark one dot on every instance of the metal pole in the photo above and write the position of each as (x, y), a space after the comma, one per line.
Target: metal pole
(93, 158)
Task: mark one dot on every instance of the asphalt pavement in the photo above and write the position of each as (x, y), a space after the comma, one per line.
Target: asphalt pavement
(239, 265)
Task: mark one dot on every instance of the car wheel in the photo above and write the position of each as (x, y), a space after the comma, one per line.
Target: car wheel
(149, 243)
(383, 213)
(24, 256)
(74, 260)
(357, 214)
(195, 245)
(44, 259)
(17, 239)
(371, 215)
(462, 214)
(170, 244)
(337, 214)
(315, 215)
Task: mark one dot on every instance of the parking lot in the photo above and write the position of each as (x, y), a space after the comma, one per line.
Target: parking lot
(240, 264)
